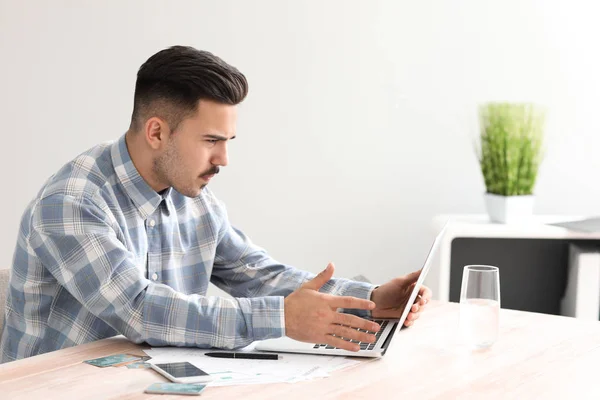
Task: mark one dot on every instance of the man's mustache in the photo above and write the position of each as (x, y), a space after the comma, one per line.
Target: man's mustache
(212, 171)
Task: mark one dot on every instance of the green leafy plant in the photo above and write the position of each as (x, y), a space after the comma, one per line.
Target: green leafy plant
(510, 151)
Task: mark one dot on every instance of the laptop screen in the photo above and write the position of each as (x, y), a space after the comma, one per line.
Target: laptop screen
(424, 271)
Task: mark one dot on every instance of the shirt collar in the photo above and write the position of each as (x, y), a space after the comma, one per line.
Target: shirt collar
(143, 196)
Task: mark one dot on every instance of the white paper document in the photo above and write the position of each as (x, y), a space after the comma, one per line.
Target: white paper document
(289, 367)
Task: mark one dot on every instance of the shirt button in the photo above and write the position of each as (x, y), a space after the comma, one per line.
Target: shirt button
(154, 276)
(152, 223)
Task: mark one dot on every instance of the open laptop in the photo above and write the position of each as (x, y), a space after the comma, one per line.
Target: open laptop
(389, 327)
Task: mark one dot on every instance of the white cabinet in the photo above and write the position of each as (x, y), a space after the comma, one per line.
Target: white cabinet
(534, 256)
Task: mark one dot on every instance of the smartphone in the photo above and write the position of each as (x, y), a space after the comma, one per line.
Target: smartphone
(182, 372)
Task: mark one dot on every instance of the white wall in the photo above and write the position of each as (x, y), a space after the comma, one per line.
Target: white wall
(356, 129)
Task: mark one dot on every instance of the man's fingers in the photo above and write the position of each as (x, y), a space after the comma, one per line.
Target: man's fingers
(341, 343)
(356, 322)
(352, 334)
(413, 276)
(350, 302)
(321, 278)
(413, 316)
(425, 293)
(415, 308)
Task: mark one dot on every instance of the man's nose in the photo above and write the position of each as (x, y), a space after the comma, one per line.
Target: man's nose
(220, 157)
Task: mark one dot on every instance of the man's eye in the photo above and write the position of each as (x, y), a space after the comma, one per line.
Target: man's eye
(213, 141)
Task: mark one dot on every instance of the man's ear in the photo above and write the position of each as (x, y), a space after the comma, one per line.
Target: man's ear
(156, 132)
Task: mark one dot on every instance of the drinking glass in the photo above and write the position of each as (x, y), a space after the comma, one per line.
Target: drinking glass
(480, 305)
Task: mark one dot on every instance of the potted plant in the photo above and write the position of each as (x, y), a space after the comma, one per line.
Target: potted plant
(510, 152)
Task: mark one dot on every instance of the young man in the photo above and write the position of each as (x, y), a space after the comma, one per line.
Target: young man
(125, 238)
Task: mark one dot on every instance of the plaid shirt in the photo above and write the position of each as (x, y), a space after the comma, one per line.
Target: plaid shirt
(99, 253)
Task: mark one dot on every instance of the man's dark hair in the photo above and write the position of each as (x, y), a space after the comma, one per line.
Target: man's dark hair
(171, 82)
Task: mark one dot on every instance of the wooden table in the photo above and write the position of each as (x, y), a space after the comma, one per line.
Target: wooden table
(538, 356)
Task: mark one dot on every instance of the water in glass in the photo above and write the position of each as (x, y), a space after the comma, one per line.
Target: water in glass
(480, 305)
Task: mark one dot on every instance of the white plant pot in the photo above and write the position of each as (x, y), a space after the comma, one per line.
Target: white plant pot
(509, 209)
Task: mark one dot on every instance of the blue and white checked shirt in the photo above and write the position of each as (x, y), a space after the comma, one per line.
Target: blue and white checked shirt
(99, 253)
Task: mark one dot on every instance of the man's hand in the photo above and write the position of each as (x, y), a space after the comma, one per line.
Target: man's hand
(311, 316)
(390, 298)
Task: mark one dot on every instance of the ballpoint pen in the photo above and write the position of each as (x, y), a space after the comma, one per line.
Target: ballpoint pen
(244, 355)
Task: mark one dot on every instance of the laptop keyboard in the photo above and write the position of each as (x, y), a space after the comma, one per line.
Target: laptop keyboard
(363, 346)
